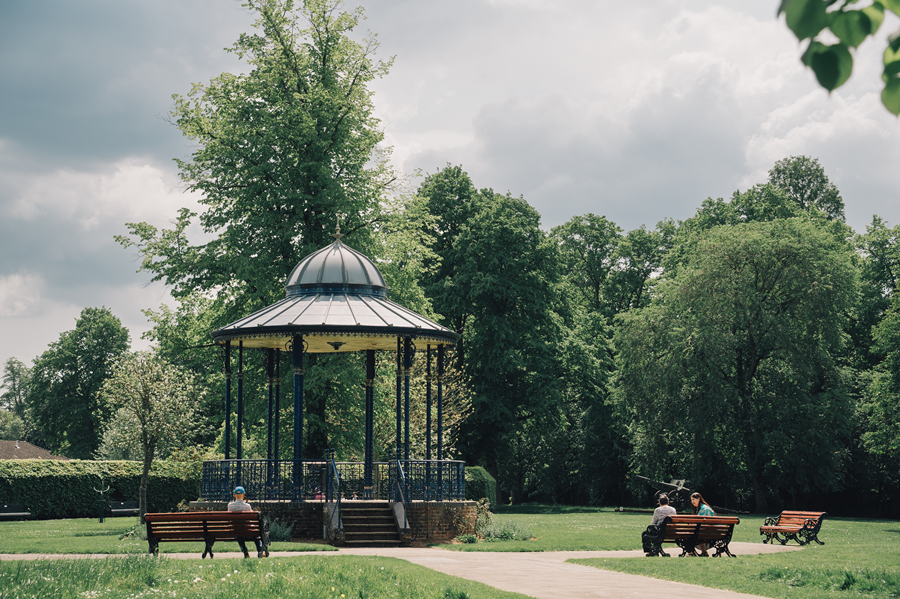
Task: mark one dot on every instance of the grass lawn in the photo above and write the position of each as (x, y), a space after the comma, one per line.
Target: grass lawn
(89, 536)
(320, 577)
(860, 558)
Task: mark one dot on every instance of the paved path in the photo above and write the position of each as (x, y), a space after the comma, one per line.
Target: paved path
(543, 575)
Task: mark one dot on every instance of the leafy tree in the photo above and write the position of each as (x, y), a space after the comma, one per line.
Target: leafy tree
(739, 349)
(155, 404)
(588, 247)
(805, 182)
(16, 380)
(283, 152)
(851, 22)
(63, 400)
(508, 269)
(451, 199)
(12, 428)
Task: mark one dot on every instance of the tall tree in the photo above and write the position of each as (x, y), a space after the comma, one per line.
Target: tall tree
(283, 152)
(156, 402)
(16, 381)
(804, 180)
(740, 346)
(588, 247)
(508, 269)
(65, 382)
(451, 198)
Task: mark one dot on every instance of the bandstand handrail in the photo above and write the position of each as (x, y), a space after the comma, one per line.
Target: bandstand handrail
(404, 500)
(333, 492)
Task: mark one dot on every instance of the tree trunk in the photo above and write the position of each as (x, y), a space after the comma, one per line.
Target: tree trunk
(759, 488)
(145, 479)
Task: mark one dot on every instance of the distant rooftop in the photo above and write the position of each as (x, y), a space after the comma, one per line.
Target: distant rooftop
(23, 450)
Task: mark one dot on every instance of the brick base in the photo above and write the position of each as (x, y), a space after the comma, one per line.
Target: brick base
(436, 520)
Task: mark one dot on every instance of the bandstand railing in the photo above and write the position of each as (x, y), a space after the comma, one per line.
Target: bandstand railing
(295, 480)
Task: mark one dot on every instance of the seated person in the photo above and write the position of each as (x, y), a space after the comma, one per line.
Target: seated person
(664, 509)
(659, 514)
(239, 505)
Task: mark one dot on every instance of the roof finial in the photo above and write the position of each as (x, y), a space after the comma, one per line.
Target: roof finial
(337, 232)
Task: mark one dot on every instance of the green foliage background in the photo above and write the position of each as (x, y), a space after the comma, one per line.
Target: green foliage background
(66, 489)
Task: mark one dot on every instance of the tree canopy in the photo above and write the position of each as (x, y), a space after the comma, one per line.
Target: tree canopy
(63, 397)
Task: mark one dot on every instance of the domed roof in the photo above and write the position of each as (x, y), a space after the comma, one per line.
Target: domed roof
(337, 301)
(335, 267)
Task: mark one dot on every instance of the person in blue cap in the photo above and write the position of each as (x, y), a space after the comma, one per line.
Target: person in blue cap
(239, 505)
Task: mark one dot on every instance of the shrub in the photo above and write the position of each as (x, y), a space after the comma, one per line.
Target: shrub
(480, 484)
(68, 489)
(467, 539)
(280, 531)
(482, 515)
(509, 530)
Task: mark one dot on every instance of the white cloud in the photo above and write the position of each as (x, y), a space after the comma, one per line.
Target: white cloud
(127, 191)
(20, 294)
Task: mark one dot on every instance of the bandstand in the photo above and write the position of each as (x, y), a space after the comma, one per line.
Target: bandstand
(336, 301)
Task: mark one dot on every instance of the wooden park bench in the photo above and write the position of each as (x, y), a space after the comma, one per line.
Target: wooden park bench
(14, 511)
(122, 508)
(802, 527)
(689, 531)
(208, 527)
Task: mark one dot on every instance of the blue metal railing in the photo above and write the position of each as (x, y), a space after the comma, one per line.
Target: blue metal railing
(295, 480)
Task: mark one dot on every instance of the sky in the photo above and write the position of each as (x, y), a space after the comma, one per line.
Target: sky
(634, 111)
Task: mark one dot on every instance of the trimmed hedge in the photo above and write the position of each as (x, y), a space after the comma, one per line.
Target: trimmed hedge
(480, 484)
(65, 489)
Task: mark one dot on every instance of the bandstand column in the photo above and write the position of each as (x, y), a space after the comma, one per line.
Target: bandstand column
(407, 367)
(370, 424)
(440, 423)
(427, 422)
(277, 416)
(270, 381)
(227, 399)
(240, 406)
(399, 404)
(297, 360)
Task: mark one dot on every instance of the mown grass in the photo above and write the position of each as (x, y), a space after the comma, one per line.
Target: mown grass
(860, 558)
(89, 536)
(132, 577)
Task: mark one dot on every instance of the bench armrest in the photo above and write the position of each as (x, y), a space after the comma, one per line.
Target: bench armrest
(771, 521)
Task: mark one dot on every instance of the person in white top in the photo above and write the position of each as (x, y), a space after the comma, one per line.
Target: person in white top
(664, 509)
(239, 505)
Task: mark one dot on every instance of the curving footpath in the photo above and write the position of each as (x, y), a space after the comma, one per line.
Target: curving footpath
(543, 575)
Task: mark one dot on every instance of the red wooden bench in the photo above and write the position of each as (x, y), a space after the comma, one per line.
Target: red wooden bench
(208, 527)
(802, 527)
(689, 531)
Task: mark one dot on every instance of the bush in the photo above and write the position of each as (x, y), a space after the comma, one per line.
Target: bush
(482, 515)
(510, 530)
(67, 489)
(480, 484)
(280, 531)
(467, 539)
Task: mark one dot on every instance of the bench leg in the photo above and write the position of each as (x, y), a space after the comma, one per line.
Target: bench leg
(208, 550)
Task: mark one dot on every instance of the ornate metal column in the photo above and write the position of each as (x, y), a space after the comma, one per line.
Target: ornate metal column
(227, 399)
(240, 406)
(407, 367)
(297, 360)
(277, 419)
(370, 424)
(270, 401)
(440, 419)
(399, 404)
(440, 402)
(427, 422)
